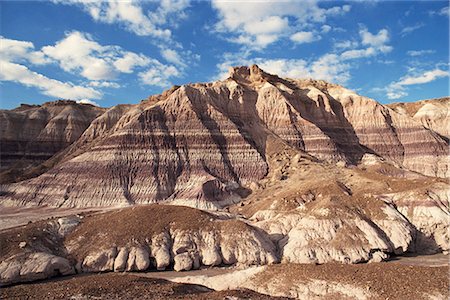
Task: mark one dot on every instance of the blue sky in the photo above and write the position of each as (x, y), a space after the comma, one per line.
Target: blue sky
(121, 52)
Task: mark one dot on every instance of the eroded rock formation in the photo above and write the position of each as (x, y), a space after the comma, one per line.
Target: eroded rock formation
(31, 134)
(304, 172)
(433, 113)
(132, 239)
(202, 145)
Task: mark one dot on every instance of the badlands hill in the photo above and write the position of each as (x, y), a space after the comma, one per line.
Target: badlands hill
(275, 170)
(433, 114)
(204, 145)
(32, 134)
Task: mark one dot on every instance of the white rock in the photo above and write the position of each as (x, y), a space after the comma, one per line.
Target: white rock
(34, 266)
(100, 261)
(183, 262)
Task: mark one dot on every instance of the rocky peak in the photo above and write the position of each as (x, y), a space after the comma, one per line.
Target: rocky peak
(249, 75)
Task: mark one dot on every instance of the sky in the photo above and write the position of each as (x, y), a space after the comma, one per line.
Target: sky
(114, 52)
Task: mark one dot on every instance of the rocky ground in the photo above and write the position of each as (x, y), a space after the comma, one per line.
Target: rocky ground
(261, 174)
(306, 281)
(120, 286)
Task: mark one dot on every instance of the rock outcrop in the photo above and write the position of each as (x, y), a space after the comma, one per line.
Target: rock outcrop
(133, 239)
(31, 134)
(318, 173)
(203, 145)
(319, 213)
(433, 113)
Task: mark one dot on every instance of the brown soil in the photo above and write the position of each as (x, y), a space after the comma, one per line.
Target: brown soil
(119, 286)
(136, 225)
(383, 280)
(294, 176)
(39, 236)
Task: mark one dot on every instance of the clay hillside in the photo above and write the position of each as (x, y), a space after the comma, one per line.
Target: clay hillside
(252, 170)
(204, 145)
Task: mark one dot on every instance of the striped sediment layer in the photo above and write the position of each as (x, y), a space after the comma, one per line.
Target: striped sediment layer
(204, 145)
(31, 134)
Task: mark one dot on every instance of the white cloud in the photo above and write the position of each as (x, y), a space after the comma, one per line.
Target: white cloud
(346, 44)
(157, 22)
(328, 67)
(172, 56)
(352, 54)
(420, 52)
(408, 29)
(423, 78)
(158, 74)
(79, 53)
(131, 15)
(376, 44)
(126, 13)
(87, 101)
(51, 87)
(104, 84)
(326, 28)
(397, 89)
(271, 24)
(261, 23)
(169, 11)
(303, 37)
(374, 40)
(14, 50)
(129, 61)
(395, 94)
(445, 11)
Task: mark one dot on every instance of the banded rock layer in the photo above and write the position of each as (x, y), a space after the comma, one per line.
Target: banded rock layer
(31, 134)
(204, 145)
(433, 114)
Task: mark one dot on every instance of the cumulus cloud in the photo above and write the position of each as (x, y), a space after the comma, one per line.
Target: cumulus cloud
(328, 67)
(172, 56)
(259, 24)
(374, 40)
(14, 50)
(375, 43)
(303, 37)
(158, 74)
(129, 61)
(78, 52)
(131, 15)
(333, 67)
(50, 87)
(326, 28)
